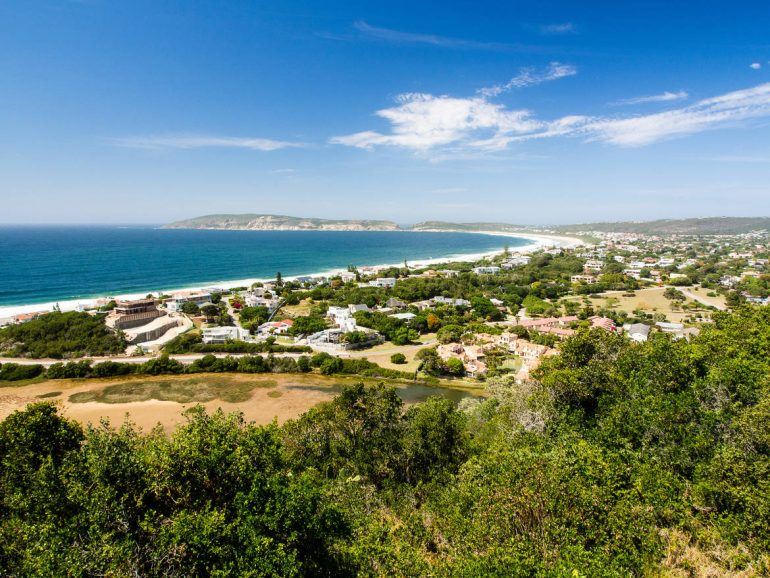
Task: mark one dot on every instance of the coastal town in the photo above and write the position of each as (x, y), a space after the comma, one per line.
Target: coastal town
(460, 321)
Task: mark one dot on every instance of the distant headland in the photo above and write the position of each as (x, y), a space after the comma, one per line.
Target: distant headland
(260, 222)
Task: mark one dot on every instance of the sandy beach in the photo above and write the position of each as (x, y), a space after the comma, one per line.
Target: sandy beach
(538, 242)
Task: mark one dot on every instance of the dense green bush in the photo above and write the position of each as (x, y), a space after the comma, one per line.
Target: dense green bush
(619, 459)
(398, 358)
(18, 372)
(59, 335)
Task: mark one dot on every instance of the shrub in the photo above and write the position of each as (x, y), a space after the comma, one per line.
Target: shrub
(398, 358)
(17, 372)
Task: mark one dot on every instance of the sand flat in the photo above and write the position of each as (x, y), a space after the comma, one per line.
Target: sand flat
(151, 400)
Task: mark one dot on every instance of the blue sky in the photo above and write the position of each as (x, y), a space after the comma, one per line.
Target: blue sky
(525, 112)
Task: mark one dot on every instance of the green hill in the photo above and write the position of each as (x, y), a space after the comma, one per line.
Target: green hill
(703, 226)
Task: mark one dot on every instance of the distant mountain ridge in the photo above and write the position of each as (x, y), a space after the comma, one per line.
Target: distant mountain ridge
(699, 226)
(254, 222)
(258, 222)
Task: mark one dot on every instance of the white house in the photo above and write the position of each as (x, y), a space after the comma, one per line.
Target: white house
(486, 270)
(637, 331)
(384, 282)
(178, 299)
(403, 316)
(223, 334)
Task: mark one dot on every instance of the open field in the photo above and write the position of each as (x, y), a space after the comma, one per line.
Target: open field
(149, 401)
(380, 354)
(301, 308)
(648, 300)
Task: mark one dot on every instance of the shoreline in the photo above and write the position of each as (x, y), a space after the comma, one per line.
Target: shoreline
(538, 242)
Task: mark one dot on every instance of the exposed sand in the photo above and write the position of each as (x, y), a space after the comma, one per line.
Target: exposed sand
(277, 397)
(296, 397)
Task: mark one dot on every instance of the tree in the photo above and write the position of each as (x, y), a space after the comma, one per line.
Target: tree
(210, 311)
(190, 308)
(307, 325)
(450, 333)
(454, 366)
(303, 364)
(673, 294)
(398, 358)
(404, 335)
(484, 308)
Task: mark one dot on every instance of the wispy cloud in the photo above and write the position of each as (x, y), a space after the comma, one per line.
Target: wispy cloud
(720, 111)
(556, 29)
(403, 37)
(530, 77)
(160, 142)
(426, 123)
(662, 97)
(755, 65)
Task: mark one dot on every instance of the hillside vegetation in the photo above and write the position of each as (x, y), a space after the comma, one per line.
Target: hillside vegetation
(59, 335)
(705, 226)
(280, 222)
(620, 459)
(702, 226)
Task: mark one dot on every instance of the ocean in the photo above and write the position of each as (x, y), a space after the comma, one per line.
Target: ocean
(44, 264)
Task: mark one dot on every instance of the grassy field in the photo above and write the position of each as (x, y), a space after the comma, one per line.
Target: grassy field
(301, 309)
(380, 354)
(229, 388)
(648, 300)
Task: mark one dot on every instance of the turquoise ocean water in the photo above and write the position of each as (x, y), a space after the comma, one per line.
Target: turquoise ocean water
(40, 264)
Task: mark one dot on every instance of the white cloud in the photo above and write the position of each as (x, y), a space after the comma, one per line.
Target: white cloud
(555, 29)
(530, 77)
(424, 122)
(755, 65)
(662, 97)
(708, 114)
(159, 142)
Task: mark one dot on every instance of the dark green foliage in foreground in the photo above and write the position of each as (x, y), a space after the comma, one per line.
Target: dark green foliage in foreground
(60, 335)
(217, 498)
(595, 469)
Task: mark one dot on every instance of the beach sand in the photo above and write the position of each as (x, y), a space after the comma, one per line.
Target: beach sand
(538, 242)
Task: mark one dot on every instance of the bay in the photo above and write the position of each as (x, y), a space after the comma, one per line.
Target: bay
(40, 264)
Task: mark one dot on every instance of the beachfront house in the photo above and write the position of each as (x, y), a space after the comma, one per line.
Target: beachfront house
(175, 302)
(383, 282)
(213, 335)
(486, 270)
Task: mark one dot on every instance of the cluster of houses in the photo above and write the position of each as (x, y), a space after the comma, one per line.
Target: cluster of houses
(344, 322)
(473, 356)
(560, 326)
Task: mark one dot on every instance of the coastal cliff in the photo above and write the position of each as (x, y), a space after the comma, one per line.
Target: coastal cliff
(253, 222)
